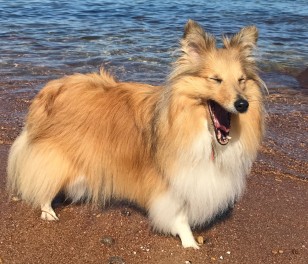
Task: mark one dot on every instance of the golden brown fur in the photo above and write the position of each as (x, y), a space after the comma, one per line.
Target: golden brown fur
(98, 139)
(76, 116)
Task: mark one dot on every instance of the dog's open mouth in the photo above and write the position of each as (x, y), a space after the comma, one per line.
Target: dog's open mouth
(221, 122)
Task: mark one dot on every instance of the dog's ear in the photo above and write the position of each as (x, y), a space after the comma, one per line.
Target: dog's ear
(245, 40)
(195, 40)
(194, 45)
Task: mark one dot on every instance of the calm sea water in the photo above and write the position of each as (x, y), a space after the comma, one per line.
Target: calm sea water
(136, 39)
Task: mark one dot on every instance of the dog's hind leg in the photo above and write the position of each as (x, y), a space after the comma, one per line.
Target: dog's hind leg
(169, 215)
(48, 213)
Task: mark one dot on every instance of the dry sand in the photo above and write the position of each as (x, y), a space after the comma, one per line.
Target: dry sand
(268, 225)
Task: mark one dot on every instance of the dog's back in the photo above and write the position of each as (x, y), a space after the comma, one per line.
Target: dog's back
(82, 132)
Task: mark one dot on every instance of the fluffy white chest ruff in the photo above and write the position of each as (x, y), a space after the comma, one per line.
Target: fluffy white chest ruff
(207, 185)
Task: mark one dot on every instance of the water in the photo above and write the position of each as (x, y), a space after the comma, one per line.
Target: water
(42, 40)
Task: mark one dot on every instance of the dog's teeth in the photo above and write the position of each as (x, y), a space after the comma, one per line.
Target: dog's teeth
(228, 137)
(219, 135)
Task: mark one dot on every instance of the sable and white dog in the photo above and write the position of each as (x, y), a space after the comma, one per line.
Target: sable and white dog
(181, 151)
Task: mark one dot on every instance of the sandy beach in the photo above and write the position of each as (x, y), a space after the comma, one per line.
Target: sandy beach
(268, 225)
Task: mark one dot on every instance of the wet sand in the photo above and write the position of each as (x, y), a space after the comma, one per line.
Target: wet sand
(268, 225)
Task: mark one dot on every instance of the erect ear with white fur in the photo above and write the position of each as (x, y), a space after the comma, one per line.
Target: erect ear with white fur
(196, 41)
(245, 40)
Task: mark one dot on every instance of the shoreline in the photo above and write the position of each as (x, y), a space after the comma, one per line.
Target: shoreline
(268, 225)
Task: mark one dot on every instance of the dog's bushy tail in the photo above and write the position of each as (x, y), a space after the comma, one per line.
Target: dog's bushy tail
(35, 172)
(17, 153)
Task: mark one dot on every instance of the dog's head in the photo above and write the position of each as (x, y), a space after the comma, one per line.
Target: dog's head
(219, 77)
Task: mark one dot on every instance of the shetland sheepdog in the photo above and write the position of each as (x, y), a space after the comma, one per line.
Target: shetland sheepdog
(181, 151)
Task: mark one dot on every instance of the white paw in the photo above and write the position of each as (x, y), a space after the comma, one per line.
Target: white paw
(190, 244)
(49, 216)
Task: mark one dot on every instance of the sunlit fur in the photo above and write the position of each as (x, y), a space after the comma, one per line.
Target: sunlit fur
(96, 138)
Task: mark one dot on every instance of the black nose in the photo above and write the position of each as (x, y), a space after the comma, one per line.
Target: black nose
(241, 105)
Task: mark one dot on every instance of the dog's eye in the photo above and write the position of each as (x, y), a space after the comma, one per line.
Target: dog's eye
(241, 80)
(217, 80)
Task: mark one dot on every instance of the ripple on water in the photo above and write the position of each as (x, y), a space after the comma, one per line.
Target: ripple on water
(50, 35)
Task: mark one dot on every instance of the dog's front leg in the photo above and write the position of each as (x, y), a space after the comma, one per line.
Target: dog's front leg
(182, 229)
(169, 215)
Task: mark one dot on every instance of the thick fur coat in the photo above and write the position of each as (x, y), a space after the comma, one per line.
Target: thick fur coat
(181, 151)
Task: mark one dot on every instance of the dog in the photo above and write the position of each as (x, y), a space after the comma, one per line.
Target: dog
(181, 151)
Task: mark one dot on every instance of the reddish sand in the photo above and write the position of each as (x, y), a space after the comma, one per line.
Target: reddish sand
(268, 225)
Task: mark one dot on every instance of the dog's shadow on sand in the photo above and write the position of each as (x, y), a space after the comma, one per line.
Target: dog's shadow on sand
(127, 207)
(218, 219)
(61, 201)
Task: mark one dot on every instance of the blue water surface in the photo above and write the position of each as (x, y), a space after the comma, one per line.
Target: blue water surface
(136, 39)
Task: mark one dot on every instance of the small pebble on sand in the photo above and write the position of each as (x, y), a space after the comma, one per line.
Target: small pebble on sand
(274, 251)
(116, 260)
(200, 240)
(188, 262)
(280, 251)
(126, 212)
(107, 241)
(15, 199)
